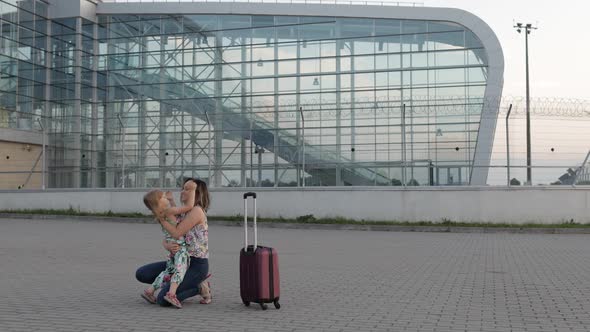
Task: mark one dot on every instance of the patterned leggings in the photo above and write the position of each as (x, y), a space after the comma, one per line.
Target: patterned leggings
(176, 267)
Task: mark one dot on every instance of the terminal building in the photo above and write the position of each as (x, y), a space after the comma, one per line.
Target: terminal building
(137, 94)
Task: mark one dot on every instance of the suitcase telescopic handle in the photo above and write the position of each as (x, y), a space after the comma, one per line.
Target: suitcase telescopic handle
(246, 195)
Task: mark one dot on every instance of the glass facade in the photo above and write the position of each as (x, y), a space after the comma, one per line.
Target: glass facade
(247, 100)
(23, 74)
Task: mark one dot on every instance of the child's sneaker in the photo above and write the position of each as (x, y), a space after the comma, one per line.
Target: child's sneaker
(171, 298)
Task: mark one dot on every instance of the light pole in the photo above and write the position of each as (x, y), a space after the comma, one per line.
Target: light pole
(527, 30)
(122, 151)
(259, 150)
(208, 148)
(251, 184)
(44, 163)
(302, 145)
(508, 148)
(403, 144)
(439, 133)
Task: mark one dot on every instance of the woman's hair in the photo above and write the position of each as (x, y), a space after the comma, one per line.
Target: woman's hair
(202, 197)
(151, 199)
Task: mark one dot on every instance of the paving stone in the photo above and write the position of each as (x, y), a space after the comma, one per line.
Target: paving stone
(59, 275)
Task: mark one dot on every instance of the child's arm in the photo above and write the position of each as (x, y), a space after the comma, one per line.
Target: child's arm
(176, 210)
(193, 218)
(170, 198)
(189, 204)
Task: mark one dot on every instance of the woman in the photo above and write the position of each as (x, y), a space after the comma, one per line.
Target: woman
(194, 228)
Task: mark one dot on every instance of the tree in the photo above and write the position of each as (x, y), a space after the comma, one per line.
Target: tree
(514, 182)
(267, 183)
(233, 183)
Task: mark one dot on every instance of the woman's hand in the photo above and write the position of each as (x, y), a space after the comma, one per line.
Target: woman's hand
(190, 185)
(171, 246)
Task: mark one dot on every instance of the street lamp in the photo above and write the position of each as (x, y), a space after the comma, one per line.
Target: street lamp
(403, 124)
(208, 149)
(44, 160)
(122, 150)
(259, 150)
(302, 145)
(508, 148)
(527, 30)
(439, 133)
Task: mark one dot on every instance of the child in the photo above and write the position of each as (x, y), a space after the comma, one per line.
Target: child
(162, 207)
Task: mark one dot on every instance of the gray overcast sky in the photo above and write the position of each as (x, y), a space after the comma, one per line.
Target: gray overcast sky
(558, 54)
(558, 51)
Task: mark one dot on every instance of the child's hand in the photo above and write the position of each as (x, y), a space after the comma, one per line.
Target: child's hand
(172, 247)
(169, 196)
(191, 185)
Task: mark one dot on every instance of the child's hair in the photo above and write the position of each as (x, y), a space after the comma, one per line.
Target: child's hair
(151, 199)
(202, 197)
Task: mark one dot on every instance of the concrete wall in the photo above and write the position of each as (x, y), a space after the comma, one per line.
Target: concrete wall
(471, 204)
(21, 136)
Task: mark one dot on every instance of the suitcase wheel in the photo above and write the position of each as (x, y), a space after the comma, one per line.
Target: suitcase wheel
(277, 305)
(263, 306)
(246, 303)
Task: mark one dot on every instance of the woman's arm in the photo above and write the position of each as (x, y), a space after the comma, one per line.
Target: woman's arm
(193, 218)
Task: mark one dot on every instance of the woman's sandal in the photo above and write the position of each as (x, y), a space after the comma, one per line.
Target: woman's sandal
(150, 298)
(207, 298)
(171, 298)
(206, 295)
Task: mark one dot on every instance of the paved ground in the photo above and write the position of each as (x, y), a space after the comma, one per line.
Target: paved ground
(79, 276)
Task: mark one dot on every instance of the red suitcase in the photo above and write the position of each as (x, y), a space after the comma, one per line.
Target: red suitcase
(259, 268)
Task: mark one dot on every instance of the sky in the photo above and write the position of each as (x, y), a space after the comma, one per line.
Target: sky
(558, 62)
(558, 49)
